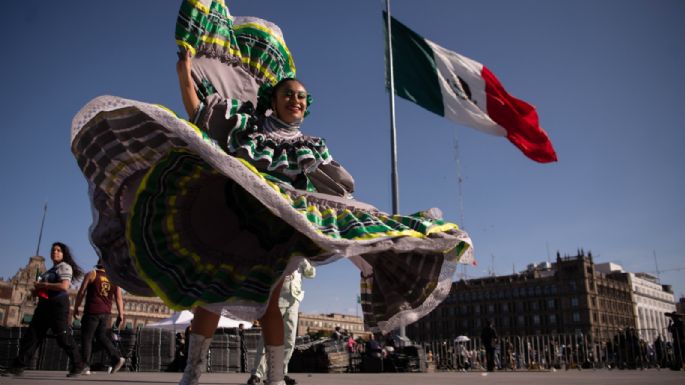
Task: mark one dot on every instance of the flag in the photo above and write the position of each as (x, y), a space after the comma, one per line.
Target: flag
(464, 91)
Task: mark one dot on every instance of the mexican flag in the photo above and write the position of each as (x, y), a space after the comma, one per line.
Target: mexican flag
(464, 91)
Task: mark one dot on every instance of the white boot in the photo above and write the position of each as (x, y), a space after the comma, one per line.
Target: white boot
(274, 365)
(198, 345)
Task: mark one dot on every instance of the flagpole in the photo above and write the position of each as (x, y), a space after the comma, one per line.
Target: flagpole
(460, 180)
(40, 234)
(393, 132)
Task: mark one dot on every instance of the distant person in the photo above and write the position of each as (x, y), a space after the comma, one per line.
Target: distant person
(489, 337)
(337, 335)
(351, 344)
(97, 315)
(675, 327)
(373, 348)
(179, 362)
(52, 312)
(289, 305)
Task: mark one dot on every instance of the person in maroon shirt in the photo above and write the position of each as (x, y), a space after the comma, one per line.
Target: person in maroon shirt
(99, 293)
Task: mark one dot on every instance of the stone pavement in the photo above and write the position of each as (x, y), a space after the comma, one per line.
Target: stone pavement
(571, 377)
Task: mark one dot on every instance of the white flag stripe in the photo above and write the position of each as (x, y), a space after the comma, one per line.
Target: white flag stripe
(457, 106)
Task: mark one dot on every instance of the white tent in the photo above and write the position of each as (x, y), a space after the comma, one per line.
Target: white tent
(181, 320)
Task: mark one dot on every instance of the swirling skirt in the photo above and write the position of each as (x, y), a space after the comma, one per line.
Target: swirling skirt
(176, 217)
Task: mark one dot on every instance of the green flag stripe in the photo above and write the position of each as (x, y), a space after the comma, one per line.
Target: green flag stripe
(414, 67)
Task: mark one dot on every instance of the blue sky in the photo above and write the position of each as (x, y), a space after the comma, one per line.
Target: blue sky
(606, 78)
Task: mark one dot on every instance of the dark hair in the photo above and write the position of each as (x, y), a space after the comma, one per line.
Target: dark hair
(77, 272)
(282, 82)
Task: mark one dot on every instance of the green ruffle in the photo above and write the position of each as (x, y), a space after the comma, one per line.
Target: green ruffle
(206, 28)
(269, 153)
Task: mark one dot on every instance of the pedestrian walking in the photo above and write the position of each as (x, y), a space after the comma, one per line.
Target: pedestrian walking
(99, 293)
(52, 313)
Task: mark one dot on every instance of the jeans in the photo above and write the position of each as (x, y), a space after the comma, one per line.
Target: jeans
(51, 313)
(96, 325)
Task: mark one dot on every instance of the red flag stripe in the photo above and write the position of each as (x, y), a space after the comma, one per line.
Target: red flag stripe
(519, 119)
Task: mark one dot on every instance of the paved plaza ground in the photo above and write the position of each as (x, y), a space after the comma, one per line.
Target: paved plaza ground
(572, 377)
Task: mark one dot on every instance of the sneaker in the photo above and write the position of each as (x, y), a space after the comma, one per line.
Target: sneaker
(13, 372)
(77, 372)
(117, 364)
(254, 379)
(289, 381)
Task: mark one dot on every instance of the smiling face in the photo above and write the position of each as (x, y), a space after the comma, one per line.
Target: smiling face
(290, 101)
(56, 254)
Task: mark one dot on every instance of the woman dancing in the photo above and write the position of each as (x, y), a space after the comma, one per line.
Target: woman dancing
(213, 213)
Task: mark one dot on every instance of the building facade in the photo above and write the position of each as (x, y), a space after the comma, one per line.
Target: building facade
(17, 304)
(680, 305)
(314, 323)
(565, 297)
(651, 301)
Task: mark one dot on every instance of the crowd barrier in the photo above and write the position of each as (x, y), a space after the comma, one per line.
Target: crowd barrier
(154, 350)
(624, 350)
(145, 350)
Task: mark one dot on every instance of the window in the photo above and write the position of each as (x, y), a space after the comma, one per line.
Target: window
(521, 320)
(491, 308)
(576, 316)
(536, 320)
(574, 302)
(551, 304)
(552, 319)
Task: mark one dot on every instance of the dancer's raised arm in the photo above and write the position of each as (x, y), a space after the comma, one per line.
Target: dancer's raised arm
(185, 79)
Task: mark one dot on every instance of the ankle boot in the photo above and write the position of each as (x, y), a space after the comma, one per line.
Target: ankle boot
(198, 345)
(274, 365)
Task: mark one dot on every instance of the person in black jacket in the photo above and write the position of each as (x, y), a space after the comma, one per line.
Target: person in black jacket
(52, 312)
(489, 337)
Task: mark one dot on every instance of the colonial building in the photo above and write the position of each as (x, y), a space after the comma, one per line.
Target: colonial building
(565, 297)
(17, 304)
(313, 323)
(651, 300)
